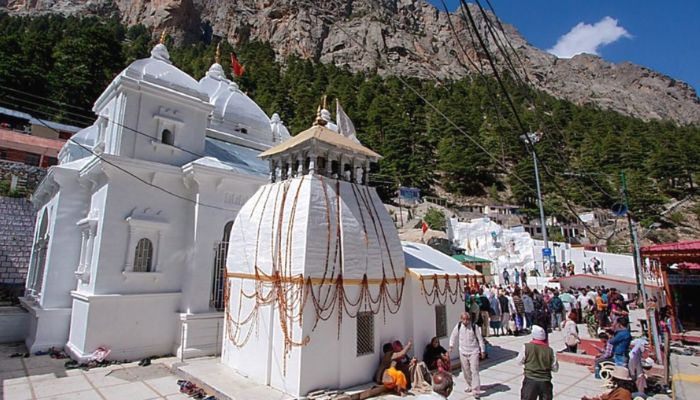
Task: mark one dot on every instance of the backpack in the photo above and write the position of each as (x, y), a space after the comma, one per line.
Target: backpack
(459, 327)
(484, 304)
(557, 305)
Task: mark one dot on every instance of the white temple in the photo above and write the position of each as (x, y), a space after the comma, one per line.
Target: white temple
(131, 250)
(133, 223)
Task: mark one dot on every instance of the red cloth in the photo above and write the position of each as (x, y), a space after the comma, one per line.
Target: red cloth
(424, 227)
(236, 67)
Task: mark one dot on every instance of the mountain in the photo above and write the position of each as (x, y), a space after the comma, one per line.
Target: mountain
(396, 37)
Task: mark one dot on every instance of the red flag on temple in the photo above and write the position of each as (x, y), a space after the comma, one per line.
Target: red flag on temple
(236, 67)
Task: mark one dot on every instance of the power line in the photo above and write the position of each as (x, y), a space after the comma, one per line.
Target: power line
(470, 18)
(164, 190)
(426, 101)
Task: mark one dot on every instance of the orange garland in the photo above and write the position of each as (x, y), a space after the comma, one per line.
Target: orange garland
(291, 294)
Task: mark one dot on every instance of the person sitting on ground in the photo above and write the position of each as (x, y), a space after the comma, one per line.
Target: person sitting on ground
(436, 357)
(539, 361)
(397, 346)
(606, 353)
(623, 387)
(416, 371)
(395, 380)
(390, 355)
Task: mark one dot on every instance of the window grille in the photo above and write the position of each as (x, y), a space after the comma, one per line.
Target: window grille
(365, 333)
(440, 321)
(143, 257)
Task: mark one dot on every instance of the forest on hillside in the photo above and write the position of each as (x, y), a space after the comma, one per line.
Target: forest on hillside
(459, 136)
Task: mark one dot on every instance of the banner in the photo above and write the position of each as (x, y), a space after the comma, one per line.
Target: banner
(409, 195)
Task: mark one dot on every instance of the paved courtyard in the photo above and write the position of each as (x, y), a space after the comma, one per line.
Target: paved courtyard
(41, 377)
(501, 377)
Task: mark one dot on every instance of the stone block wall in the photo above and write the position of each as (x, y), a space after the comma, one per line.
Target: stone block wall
(17, 217)
(28, 176)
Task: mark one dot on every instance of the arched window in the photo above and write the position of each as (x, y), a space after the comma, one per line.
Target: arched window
(44, 225)
(227, 231)
(143, 257)
(167, 137)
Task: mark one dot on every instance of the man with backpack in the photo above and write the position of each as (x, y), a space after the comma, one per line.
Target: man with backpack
(471, 349)
(556, 308)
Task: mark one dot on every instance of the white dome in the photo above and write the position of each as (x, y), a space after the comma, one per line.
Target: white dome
(234, 112)
(310, 233)
(158, 70)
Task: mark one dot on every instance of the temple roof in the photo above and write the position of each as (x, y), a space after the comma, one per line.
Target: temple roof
(232, 106)
(324, 135)
(158, 70)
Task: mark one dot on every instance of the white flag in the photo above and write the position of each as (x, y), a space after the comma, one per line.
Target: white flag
(345, 126)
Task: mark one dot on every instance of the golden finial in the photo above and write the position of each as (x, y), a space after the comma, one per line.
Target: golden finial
(324, 102)
(319, 120)
(217, 56)
(162, 36)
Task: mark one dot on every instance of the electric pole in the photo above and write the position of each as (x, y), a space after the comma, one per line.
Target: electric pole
(638, 271)
(534, 137)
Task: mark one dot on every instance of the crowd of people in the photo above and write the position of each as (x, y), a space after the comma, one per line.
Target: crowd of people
(515, 309)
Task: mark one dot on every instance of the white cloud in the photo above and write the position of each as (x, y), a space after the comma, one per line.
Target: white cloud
(586, 38)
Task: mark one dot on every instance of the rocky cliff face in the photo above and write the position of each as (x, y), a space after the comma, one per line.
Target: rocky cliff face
(403, 37)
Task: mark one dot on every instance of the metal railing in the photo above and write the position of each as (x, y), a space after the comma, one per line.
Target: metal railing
(216, 300)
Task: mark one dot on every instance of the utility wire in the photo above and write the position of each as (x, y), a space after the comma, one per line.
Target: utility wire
(162, 189)
(526, 83)
(467, 14)
(425, 100)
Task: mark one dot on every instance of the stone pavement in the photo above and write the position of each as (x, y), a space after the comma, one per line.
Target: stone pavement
(501, 378)
(686, 377)
(41, 377)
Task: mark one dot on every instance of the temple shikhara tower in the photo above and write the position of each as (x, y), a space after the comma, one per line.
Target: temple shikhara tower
(316, 275)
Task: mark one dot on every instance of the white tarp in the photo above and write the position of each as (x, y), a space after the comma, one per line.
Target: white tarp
(273, 228)
(426, 261)
(484, 238)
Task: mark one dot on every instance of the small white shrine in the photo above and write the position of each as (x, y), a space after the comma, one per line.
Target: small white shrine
(317, 281)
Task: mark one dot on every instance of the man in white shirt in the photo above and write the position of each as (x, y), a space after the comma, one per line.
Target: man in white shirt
(471, 349)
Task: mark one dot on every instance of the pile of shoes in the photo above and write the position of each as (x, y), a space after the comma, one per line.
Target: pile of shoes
(190, 389)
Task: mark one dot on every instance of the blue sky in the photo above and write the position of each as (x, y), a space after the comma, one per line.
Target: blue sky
(664, 36)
